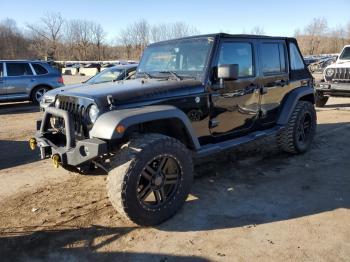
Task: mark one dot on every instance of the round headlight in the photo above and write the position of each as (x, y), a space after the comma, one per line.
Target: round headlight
(93, 113)
(329, 72)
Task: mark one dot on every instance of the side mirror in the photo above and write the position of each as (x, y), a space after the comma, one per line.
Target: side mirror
(228, 72)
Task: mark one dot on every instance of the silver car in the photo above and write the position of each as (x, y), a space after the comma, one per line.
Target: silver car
(115, 73)
(27, 80)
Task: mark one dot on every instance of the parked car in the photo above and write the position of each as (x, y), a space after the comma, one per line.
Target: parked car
(111, 74)
(192, 97)
(27, 80)
(336, 80)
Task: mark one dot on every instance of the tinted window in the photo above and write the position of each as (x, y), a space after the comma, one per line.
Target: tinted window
(18, 69)
(237, 53)
(1, 70)
(296, 61)
(345, 55)
(273, 58)
(39, 69)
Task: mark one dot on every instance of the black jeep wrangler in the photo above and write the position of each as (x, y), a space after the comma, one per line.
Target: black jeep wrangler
(192, 97)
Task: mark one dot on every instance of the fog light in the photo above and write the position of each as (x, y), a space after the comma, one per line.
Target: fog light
(32, 143)
(56, 160)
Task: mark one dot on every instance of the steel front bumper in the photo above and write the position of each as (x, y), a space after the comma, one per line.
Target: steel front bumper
(73, 153)
(334, 89)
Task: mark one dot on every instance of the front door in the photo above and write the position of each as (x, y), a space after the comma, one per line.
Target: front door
(235, 107)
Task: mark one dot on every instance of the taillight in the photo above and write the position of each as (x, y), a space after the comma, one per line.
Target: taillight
(60, 80)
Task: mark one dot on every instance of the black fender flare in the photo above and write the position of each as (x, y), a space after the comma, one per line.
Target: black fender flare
(106, 124)
(290, 102)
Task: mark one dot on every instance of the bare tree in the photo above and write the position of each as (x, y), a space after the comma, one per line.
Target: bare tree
(257, 30)
(48, 30)
(162, 32)
(98, 36)
(315, 30)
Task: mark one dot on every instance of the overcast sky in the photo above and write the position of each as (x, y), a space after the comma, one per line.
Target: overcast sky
(208, 16)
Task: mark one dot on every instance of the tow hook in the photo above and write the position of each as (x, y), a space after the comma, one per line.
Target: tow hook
(56, 160)
(32, 143)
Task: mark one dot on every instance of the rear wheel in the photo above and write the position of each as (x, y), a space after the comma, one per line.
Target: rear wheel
(38, 93)
(150, 178)
(298, 135)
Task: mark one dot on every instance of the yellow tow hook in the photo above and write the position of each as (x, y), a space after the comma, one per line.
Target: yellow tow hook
(56, 160)
(32, 143)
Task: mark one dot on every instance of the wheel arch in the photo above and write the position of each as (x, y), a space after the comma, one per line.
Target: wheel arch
(163, 119)
(305, 93)
(36, 87)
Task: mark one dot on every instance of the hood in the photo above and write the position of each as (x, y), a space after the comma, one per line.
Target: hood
(136, 90)
(340, 64)
(52, 93)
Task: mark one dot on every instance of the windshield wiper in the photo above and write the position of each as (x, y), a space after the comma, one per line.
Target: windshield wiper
(178, 78)
(147, 75)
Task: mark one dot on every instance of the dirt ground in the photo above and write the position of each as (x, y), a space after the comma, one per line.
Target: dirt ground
(253, 204)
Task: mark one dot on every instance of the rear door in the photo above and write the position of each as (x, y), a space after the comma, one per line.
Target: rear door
(20, 79)
(2, 80)
(273, 62)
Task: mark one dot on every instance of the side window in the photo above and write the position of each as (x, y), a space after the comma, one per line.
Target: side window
(296, 61)
(1, 70)
(237, 53)
(18, 69)
(131, 74)
(39, 69)
(273, 58)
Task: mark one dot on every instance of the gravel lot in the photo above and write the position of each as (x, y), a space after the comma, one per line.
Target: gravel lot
(253, 204)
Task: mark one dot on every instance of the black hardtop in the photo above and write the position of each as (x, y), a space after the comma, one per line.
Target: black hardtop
(225, 35)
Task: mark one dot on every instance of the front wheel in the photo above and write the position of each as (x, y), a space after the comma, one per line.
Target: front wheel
(298, 134)
(150, 179)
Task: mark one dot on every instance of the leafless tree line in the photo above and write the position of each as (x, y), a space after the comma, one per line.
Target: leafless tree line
(318, 38)
(56, 38)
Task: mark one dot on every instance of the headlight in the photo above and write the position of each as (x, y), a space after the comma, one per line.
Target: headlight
(329, 72)
(93, 113)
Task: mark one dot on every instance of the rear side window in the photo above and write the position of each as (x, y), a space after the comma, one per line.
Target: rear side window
(18, 69)
(296, 61)
(39, 69)
(237, 53)
(273, 58)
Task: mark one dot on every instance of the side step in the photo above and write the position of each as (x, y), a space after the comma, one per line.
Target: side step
(229, 144)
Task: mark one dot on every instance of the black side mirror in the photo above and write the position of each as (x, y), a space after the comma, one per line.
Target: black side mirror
(228, 72)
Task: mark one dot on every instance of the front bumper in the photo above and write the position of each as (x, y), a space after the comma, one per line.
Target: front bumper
(73, 153)
(334, 89)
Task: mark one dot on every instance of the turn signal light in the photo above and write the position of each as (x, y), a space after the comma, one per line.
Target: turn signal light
(120, 129)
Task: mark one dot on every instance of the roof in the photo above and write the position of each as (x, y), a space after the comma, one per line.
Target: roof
(23, 61)
(224, 35)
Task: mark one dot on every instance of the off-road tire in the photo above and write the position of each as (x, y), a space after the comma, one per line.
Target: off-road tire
(125, 172)
(287, 139)
(321, 100)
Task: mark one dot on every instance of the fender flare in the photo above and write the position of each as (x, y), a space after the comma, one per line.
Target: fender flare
(290, 102)
(105, 125)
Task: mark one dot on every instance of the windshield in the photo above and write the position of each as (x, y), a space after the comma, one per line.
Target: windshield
(185, 57)
(345, 55)
(107, 75)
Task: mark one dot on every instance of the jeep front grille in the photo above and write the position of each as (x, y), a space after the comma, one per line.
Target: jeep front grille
(341, 74)
(77, 113)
